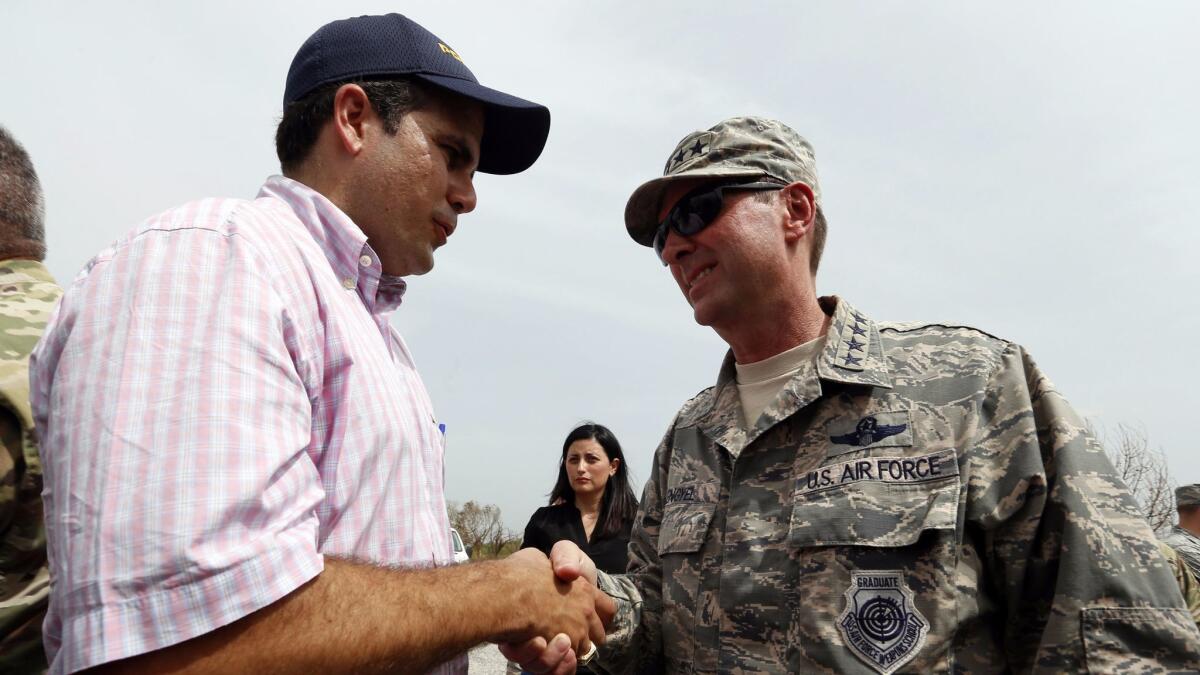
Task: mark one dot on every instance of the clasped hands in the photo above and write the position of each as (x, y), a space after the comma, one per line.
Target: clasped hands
(573, 624)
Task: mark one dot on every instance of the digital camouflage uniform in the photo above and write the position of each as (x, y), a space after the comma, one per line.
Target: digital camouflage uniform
(27, 297)
(1188, 585)
(919, 500)
(1187, 545)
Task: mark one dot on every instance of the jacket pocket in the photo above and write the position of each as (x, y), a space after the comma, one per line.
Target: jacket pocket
(883, 502)
(876, 539)
(1115, 640)
(684, 526)
(681, 537)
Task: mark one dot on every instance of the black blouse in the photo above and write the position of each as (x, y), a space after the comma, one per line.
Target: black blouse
(549, 524)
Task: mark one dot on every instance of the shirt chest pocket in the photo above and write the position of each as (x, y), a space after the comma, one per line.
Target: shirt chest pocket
(884, 502)
(687, 514)
(684, 527)
(876, 537)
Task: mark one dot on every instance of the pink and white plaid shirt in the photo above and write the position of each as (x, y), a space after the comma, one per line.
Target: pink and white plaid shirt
(221, 402)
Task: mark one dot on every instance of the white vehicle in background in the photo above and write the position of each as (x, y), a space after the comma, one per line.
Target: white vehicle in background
(461, 553)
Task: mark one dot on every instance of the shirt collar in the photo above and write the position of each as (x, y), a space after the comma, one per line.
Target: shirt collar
(345, 246)
(18, 270)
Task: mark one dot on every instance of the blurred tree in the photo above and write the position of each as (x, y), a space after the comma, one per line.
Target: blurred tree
(1144, 471)
(481, 528)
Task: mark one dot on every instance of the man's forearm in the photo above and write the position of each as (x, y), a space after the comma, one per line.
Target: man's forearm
(359, 618)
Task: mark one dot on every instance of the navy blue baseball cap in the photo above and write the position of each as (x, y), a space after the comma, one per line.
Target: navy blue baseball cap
(514, 130)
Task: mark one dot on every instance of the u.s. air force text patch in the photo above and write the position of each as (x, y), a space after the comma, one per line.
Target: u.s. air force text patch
(890, 470)
(880, 623)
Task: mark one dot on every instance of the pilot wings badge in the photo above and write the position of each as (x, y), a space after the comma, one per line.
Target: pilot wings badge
(868, 431)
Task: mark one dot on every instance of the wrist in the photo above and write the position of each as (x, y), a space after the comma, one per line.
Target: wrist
(508, 582)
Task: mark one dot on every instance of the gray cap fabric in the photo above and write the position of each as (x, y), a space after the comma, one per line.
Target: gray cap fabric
(1187, 495)
(739, 147)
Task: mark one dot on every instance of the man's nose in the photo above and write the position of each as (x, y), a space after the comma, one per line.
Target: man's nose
(462, 195)
(676, 248)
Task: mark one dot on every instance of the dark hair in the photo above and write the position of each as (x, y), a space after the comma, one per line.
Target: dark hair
(618, 506)
(818, 231)
(22, 213)
(304, 118)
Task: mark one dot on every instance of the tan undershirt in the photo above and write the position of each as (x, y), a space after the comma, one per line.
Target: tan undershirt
(759, 383)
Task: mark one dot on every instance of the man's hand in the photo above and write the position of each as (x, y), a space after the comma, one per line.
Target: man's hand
(555, 606)
(570, 565)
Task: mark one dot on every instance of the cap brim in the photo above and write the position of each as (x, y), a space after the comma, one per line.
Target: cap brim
(514, 130)
(641, 211)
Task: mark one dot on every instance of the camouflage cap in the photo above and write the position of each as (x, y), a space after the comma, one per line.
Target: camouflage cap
(739, 147)
(1187, 495)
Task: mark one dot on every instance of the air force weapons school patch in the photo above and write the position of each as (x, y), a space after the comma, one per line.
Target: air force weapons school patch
(880, 623)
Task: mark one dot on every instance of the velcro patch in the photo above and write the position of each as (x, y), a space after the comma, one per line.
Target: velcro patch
(683, 493)
(894, 470)
(881, 624)
(692, 492)
(876, 430)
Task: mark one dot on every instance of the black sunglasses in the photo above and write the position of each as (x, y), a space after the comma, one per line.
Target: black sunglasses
(697, 209)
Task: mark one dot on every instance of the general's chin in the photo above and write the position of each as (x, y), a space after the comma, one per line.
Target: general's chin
(706, 311)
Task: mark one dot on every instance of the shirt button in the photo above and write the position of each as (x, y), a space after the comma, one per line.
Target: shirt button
(365, 261)
(347, 283)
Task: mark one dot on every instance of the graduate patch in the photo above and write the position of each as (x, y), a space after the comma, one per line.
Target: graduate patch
(880, 624)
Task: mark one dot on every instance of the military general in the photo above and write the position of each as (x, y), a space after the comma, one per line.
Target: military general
(862, 496)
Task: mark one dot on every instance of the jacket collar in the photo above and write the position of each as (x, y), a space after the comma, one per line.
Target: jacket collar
(852, 355)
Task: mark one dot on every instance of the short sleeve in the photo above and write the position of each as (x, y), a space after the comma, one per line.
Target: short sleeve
(174, 425)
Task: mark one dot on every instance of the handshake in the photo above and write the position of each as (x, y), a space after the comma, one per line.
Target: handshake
(567, 618)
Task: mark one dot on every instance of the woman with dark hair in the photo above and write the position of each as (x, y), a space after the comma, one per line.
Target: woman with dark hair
(591, 504)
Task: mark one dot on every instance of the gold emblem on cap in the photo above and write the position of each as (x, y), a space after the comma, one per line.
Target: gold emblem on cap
(451, 52)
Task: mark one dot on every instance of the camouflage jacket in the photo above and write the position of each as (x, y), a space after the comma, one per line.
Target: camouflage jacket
(27, 296)
(919, 500)
(1187, 545)
(1188, 585)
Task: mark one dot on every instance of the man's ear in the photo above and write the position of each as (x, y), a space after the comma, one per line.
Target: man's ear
(351, 111)
(801, 206)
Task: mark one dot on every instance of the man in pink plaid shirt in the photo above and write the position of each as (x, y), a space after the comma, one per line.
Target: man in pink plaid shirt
(243, 468)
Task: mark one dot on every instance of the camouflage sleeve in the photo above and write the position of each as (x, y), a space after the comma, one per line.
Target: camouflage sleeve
(1188, 585)
(1074, 567)
(634, 640)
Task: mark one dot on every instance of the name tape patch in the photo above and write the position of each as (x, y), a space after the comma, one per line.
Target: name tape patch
(895, 470)
(683, 493)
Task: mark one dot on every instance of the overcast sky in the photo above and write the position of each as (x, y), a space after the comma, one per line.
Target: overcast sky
(1029, 168)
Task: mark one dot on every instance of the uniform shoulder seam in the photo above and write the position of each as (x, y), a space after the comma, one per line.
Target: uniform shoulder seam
(912, 327)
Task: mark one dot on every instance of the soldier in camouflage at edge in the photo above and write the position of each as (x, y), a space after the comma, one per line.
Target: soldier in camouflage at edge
(856, 496)
(27, 296)
(1185, 537)
(1188, 584)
